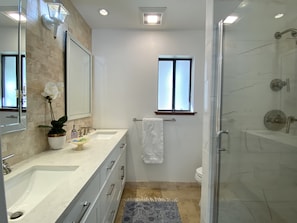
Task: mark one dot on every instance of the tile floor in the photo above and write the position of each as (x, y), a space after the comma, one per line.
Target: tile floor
(187, 195)
(251, 203)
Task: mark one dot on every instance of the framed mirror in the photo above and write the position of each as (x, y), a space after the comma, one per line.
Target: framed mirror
(13, 101)
(78, 79)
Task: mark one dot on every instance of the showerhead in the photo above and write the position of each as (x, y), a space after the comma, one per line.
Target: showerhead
(293, 31)
(277, 35)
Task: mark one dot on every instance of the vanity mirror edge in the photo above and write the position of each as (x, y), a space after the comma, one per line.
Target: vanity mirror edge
(78, 79)
(20, 114)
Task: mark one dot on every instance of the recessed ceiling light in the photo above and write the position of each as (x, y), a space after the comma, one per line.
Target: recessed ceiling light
(103, 12)
(152, 19)
(152, 15)
(230, 19)
(279, 15)
(15, 16)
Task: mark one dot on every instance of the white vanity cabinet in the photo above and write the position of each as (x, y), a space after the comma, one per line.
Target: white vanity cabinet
(98, 201)
(109, 199)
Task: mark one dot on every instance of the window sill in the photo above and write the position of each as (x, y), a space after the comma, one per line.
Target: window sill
(174, 113)
(12, 109)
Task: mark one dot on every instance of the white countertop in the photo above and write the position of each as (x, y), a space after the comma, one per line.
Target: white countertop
(88, 160)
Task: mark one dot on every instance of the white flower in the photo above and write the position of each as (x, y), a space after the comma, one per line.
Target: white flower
(52, 90)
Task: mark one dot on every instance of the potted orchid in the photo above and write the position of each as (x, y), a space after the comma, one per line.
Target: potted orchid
(56, 134)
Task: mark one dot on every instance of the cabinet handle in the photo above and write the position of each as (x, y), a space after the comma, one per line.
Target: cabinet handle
(123, 172)
(112, 215)
(85, 207)
(123, 145)
(111, 165)
(110, 189)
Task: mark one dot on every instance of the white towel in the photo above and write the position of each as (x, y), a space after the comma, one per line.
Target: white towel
(152, 140)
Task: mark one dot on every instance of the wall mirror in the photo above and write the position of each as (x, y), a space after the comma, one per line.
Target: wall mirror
(13, 101)
(78, 79)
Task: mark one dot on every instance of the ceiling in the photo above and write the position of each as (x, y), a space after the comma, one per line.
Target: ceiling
(7, 5)
(125, 14)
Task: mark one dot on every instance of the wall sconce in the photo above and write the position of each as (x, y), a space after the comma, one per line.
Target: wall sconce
(57, 14)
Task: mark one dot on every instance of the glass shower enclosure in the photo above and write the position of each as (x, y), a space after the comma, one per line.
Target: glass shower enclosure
(258, 162)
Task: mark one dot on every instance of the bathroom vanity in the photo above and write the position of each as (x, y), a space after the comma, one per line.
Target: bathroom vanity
(83, 185)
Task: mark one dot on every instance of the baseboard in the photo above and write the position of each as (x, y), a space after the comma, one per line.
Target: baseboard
(160, 185)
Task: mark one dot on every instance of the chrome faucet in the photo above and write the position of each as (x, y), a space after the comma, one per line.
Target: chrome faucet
(290, 119)
(5, 167)
(85, 130)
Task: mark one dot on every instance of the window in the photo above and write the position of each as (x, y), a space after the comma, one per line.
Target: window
(174, 85)
(9, 81)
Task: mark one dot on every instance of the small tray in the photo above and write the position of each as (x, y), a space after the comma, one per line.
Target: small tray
(79, 142)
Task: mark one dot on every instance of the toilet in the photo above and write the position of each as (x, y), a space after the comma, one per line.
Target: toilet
(198, 175)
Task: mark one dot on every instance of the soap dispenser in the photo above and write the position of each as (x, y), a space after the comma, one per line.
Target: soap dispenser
(74, 133)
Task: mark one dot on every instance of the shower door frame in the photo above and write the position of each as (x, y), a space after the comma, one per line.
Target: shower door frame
(218, 132)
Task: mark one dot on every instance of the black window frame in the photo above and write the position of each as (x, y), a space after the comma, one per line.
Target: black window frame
(3, 56)
(173, 110)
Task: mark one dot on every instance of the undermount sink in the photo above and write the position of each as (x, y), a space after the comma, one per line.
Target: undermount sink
(27, 189)
(104, 134)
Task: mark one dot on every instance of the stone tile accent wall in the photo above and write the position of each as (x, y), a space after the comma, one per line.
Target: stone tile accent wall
(45, 62)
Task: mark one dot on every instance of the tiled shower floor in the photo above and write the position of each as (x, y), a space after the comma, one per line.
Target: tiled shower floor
(249, 204)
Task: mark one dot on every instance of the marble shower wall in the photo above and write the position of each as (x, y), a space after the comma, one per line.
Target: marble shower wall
(258, 174)
(288, 71)
(45, 62)
(246, 91)
(249, 67)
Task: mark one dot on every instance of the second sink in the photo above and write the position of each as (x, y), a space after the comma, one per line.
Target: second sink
(104, 134)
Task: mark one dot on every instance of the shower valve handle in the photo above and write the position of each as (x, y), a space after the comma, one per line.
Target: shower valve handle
(288, 84)
(278, 84)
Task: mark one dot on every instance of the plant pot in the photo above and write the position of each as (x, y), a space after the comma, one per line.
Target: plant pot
(56, 141)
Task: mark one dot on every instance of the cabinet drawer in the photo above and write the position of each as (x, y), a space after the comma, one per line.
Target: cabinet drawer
(111, 160)
(121, 175)
(109, 192)
(81, 206)
(120, 178)
(111, 213)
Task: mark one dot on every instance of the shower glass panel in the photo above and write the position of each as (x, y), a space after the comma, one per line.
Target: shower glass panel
(258, 170)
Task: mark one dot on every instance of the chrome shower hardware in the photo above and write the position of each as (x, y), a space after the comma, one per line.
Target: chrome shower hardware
(278, 84)
(293, 31)
(290, 119)
(275, 120)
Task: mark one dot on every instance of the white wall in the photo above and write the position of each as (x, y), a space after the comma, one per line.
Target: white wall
(125, 86)
(9, 42)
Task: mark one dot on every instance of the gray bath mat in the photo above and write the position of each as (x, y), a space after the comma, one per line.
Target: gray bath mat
(151, 211)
